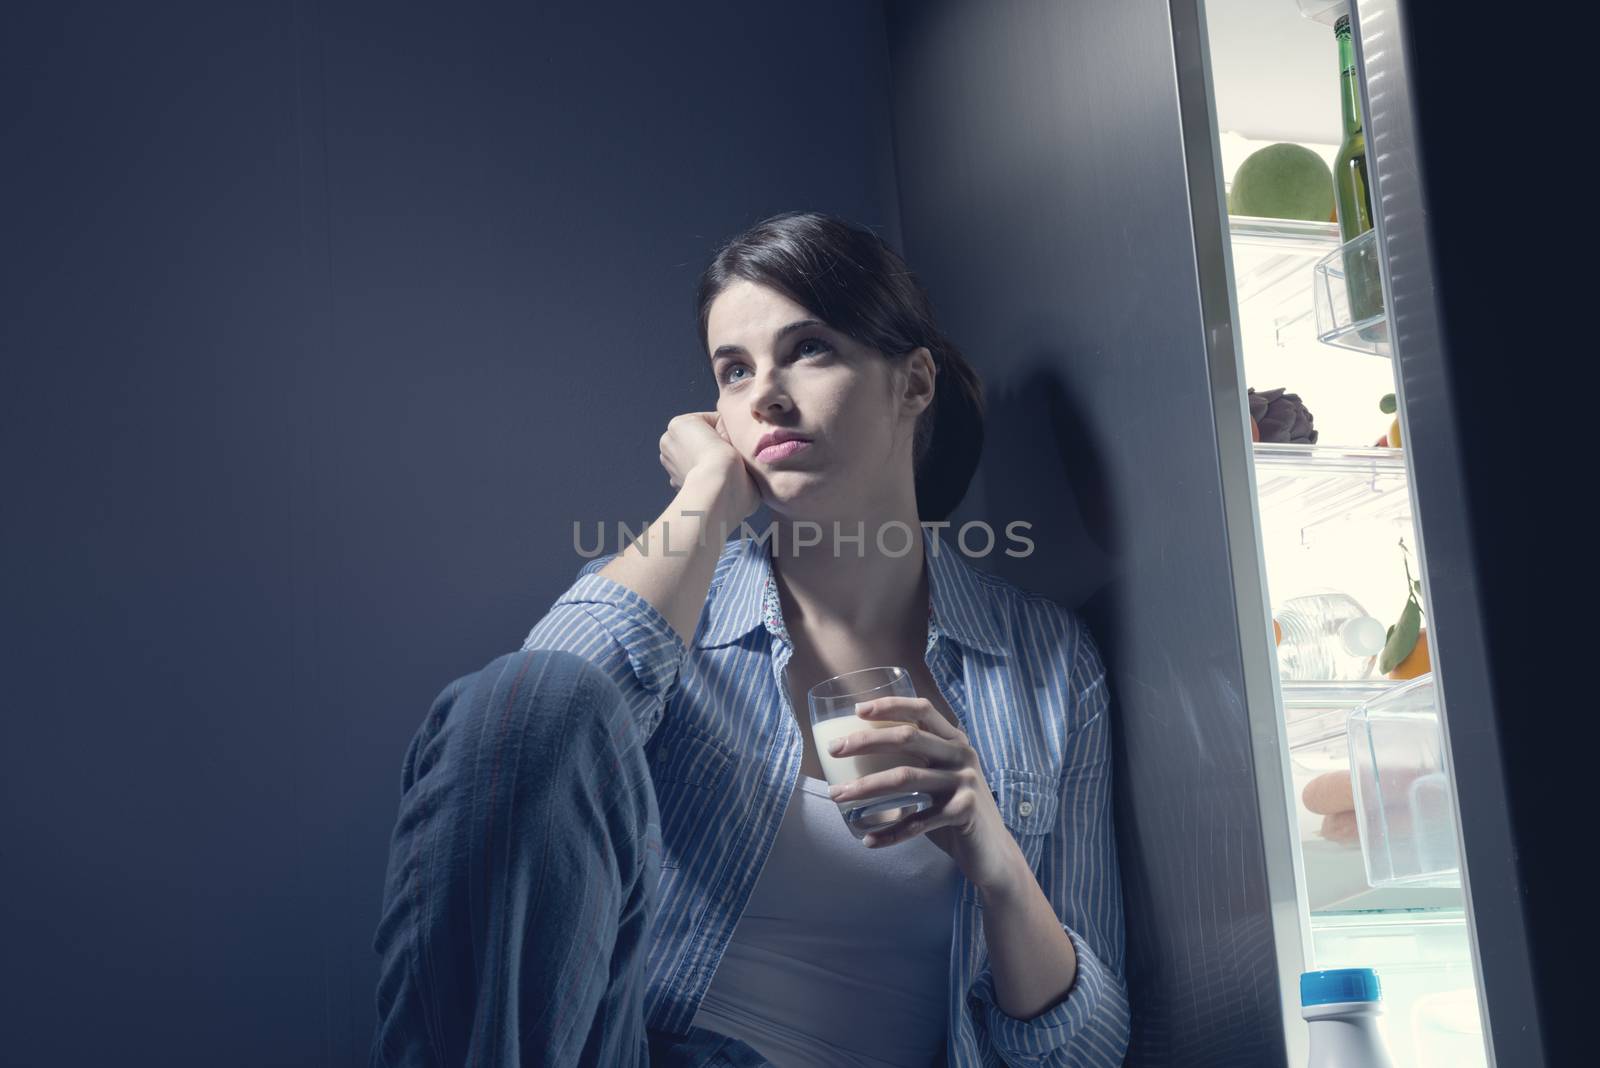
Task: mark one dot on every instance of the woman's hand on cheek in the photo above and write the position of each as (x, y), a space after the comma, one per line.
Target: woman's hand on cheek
(697, 440)
(963, 820)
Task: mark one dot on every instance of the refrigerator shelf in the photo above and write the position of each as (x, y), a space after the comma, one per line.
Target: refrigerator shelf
(1308, 485)
(1326, 12)
(1316, 711)
(1316, 459)
(1424, 963)
(1348, 293)
(1273, 271)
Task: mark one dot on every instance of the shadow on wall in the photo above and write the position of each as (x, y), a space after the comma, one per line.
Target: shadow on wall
(1036, 425)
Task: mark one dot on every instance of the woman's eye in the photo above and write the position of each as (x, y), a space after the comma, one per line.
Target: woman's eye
(820, 346)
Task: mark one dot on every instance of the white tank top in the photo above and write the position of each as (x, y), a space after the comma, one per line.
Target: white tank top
(842, 954)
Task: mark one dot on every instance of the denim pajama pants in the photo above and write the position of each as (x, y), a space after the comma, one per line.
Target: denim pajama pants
(522, 874)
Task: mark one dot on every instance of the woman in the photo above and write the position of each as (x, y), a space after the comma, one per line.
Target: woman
(616, 846)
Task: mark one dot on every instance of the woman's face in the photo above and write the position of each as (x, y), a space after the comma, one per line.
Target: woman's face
(856, 411)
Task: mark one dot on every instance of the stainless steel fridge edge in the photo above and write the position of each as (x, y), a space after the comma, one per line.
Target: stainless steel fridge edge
(1438, 484)
(1225, 369)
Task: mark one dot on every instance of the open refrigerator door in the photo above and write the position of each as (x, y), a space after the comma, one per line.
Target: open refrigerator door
(1365, 769)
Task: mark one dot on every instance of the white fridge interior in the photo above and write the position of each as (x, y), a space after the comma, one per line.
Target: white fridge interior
(1366, 787)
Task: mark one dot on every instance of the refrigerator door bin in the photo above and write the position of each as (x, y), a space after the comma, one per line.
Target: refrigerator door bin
(1348, 291)
(1404, 807)
(1316, 716)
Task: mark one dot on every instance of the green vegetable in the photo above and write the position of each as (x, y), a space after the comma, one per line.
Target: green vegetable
(1402, 637)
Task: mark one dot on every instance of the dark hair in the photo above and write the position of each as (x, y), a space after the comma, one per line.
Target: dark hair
(847, 277)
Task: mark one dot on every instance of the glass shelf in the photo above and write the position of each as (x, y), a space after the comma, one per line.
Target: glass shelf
(1310, 485)
(1316, 711)
(1326, 12)
(1348, 293)
(1273, 271)
(1424, 963)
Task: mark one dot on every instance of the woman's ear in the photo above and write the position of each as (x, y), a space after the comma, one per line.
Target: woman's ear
(919, 379)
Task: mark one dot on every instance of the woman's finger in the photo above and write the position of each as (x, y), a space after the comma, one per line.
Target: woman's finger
(918, 710)
(896, 780)
(905, 739)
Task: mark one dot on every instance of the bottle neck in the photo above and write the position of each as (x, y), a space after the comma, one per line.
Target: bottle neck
(1343, 1010)
(1350, 1036)
(1349, 88)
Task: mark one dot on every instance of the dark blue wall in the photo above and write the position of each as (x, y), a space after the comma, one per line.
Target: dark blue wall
(323, 324)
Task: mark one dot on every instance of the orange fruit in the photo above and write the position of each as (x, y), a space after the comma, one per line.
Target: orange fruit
(1417, 662)
(1277, 633)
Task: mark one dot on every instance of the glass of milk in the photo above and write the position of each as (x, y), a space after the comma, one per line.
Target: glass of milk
(833, 715)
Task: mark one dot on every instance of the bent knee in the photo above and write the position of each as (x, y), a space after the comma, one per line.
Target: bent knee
(553, 685)
(558, 672)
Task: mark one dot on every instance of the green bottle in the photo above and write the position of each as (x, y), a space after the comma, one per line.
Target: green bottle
(1352, 199)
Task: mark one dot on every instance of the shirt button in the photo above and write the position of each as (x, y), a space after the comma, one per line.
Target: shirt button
(1025, 807)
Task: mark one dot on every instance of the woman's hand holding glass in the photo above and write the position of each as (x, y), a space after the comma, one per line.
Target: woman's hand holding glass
(963, 820)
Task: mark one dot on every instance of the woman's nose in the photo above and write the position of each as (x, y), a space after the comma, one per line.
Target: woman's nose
(768, 393)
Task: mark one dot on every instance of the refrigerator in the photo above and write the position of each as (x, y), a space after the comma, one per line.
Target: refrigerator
(1285, 803)
(1354, 741)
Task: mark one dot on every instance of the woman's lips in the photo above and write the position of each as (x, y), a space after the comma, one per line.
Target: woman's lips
(782, 450)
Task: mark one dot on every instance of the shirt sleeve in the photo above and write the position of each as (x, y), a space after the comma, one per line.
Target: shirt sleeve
(619, 631)
(1078, 873)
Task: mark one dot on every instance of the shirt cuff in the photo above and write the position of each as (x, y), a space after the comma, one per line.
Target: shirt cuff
(655, 651)
(1088, 1027)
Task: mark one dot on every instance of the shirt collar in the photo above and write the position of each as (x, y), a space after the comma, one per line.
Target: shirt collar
(961, 605)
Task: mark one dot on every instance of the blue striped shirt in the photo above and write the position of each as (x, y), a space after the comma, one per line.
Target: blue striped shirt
(1022, 675)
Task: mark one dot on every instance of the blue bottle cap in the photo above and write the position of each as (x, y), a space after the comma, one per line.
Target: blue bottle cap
(1339, 984)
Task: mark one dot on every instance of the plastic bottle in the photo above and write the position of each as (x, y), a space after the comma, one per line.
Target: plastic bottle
(1327, 636)
(1341, 1007)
